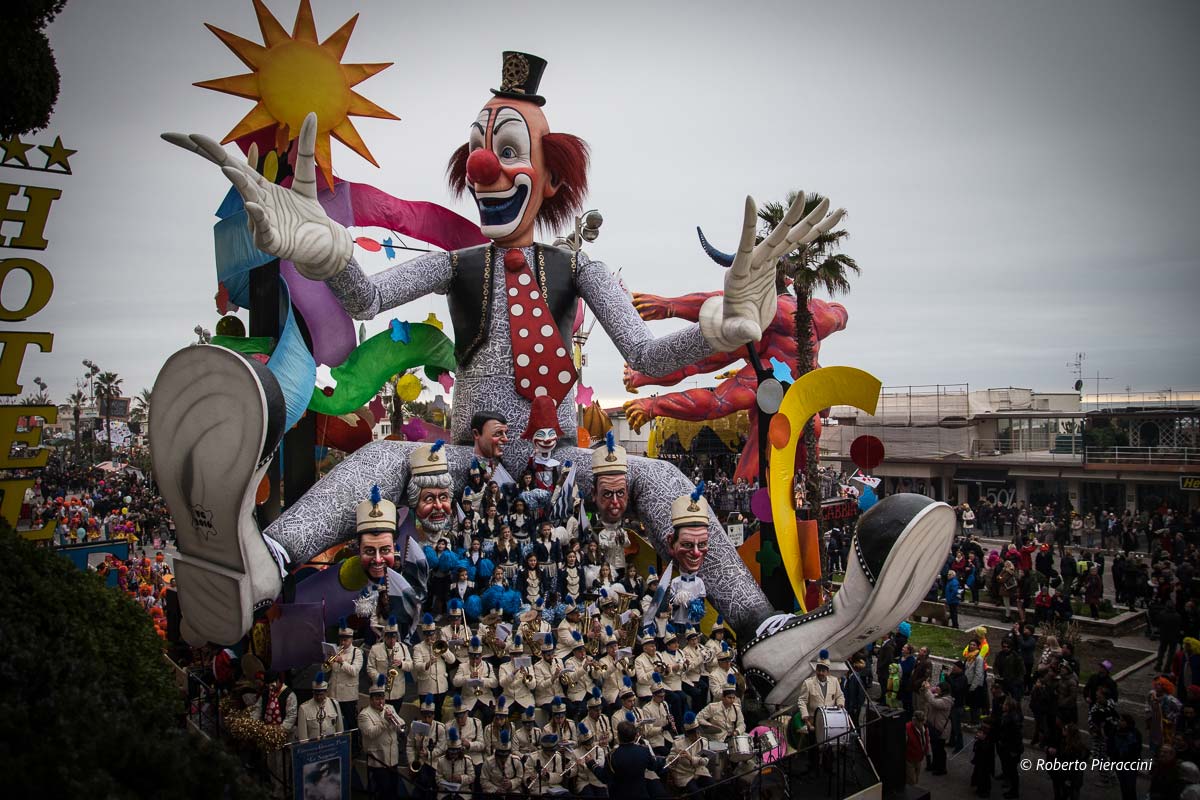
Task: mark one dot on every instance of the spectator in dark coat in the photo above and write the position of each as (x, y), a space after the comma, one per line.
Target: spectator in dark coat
(629, 763)
(1169, 636)
(885, 655)
(1101, 678)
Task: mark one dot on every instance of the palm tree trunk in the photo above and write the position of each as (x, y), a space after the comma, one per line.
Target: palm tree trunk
(812, 482)
(108, 435)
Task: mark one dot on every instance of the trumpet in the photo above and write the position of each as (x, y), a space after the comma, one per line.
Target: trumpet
(440, 647)
(660, 667)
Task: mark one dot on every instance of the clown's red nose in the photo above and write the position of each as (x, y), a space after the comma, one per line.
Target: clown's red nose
(483, 167)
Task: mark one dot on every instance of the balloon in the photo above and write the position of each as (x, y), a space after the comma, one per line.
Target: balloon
(408, 388)
(867, 499)
(128, 499)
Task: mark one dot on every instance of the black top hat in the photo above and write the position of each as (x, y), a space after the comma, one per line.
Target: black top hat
(520, 77)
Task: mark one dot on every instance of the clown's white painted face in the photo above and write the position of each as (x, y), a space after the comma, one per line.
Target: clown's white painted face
(544, 442)
(505, 170)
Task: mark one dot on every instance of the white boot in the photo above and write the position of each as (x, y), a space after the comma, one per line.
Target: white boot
(215, 422)
(898, 548)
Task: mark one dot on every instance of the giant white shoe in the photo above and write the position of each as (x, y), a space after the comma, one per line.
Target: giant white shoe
(215, 421)
(898, 548)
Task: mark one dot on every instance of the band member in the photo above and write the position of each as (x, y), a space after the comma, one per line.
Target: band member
(517, 684)
(718, 636)
(688, 761)
(600, 725)
(610, 467)
(578, 676)
(720, 674)
(819, 691)
(673, 665)
(559, 725)
(319, 716)
(628, 705)
(470, 729)
(589, 761)
(659, 727)
(526, 738)
(426, 743)
(455, 633)
(386, 656)
(570, 624)
(381, 728)
(646, 664)
(503, 774)
(501, 722)
(534, 627)
(616, 670)
(547, 770)
(455, 772)
(546, 672)
(344, 667)
(277, 704)
(724, 715)
(475, 681)
(430, 666)
(697, 660)
(493, 648)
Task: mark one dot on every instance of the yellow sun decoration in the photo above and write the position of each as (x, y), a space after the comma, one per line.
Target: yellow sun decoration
(294, 74)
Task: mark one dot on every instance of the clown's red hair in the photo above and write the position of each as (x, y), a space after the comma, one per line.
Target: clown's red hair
(567, 162)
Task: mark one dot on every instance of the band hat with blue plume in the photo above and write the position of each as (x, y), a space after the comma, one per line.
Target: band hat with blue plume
(375, 515)
(569, 605)
(548, 642)
(656, 683)
(427, 623)
(609, 636)
(455, 607)
(529, 718)
(584, 733)
(428, 459)
(453, 741)
(344, 628)
(393, 626)
(671, 635)
(549, 741)
(647, 636)
(823, 659)
(596, 698)
(514, 644)
(427, 705)
(726, 653)
(501, 706)
(320, 684)
(475, 648)
(626, 687)
(576, 641)
(504, 743)
(610, 458)
(690, 509)
(380, 685)
(689, 721)
(730, 685)
(458, 705)
(558, 705)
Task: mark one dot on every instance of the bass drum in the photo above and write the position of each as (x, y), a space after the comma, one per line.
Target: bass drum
(830, 723)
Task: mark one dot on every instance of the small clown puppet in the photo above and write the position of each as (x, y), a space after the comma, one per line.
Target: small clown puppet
(688, 545)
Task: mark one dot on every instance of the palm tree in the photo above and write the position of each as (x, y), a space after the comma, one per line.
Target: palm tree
(108, 387)
(76, 400)
(817, 266)
(141, 406)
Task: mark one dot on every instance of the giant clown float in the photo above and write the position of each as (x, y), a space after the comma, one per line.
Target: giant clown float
(219, 415)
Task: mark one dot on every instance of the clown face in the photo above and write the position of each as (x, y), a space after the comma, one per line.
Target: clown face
(376, 553)
(506, 172)
(433, 510)
(490, 441)
(544, 442)
(689, 546)
(612, 498)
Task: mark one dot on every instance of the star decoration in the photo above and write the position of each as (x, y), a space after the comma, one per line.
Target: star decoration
(783, 372)
(14, 148)
(433, 320)
(57, 154)
(400, 331)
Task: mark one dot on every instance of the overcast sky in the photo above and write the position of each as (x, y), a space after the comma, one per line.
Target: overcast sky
(1020, 177)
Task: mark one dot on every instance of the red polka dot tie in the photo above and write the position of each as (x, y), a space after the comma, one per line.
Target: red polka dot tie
(541, 363)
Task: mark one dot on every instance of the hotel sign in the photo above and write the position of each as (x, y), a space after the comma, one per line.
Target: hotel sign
(1189, 483)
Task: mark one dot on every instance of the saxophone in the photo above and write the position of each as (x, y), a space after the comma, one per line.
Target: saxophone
(392, 672)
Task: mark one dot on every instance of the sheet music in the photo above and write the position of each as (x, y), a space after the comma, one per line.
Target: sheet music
(503, 631)
(420, 728)
(522, 662)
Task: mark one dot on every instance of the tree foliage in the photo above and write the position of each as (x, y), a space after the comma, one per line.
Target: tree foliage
(29, 80)
(90, 706)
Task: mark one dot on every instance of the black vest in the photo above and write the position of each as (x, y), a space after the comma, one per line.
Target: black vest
(470, 294)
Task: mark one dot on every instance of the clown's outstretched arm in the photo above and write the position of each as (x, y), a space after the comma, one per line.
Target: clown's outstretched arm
(289, 223)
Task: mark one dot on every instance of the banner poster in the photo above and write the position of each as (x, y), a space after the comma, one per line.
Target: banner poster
(737, 533)
(321, 768)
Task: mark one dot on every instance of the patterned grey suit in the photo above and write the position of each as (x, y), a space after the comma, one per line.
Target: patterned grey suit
(325, 515)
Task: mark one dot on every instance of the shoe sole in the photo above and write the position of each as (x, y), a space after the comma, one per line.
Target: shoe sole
(208, 436)
(912, 563)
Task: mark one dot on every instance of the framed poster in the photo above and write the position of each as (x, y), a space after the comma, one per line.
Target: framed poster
(321, 768)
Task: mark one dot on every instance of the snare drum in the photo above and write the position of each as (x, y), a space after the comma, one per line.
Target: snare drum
(831, 723)
(768, 740)
(719, 748)
(741, 748)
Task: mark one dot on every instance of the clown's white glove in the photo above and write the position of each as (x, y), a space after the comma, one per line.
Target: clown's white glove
(286, 223)
(748, 305)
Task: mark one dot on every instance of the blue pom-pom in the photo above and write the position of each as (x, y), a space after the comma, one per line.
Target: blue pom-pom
(431, 556)
(484, 569)
(457, 702)
(689, 717)
(596, 691)
(455, 604)
(654, 676)
(427, 618)
(393, 621)
(905, 629)
(319, 678)
(510, 602)
(823, 654)
(629, 717)
(438, 445)
(608, 631)
(698, 492)
(376, 495)
(505, 737)
(473, 607)
(452, 734)
(730, 680)
(720, 620)
(381, 681)
(447, 562)
(625, 680)
(582, 728)
(610, 441)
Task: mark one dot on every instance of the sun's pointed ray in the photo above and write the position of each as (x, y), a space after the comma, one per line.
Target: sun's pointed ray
(357, 73)
(362, 107)
(251, 53)
(240, 85)
(258, 118)
(324, 158)
(346, 133)
(272, 29)
(337, 41)
(305, 29)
